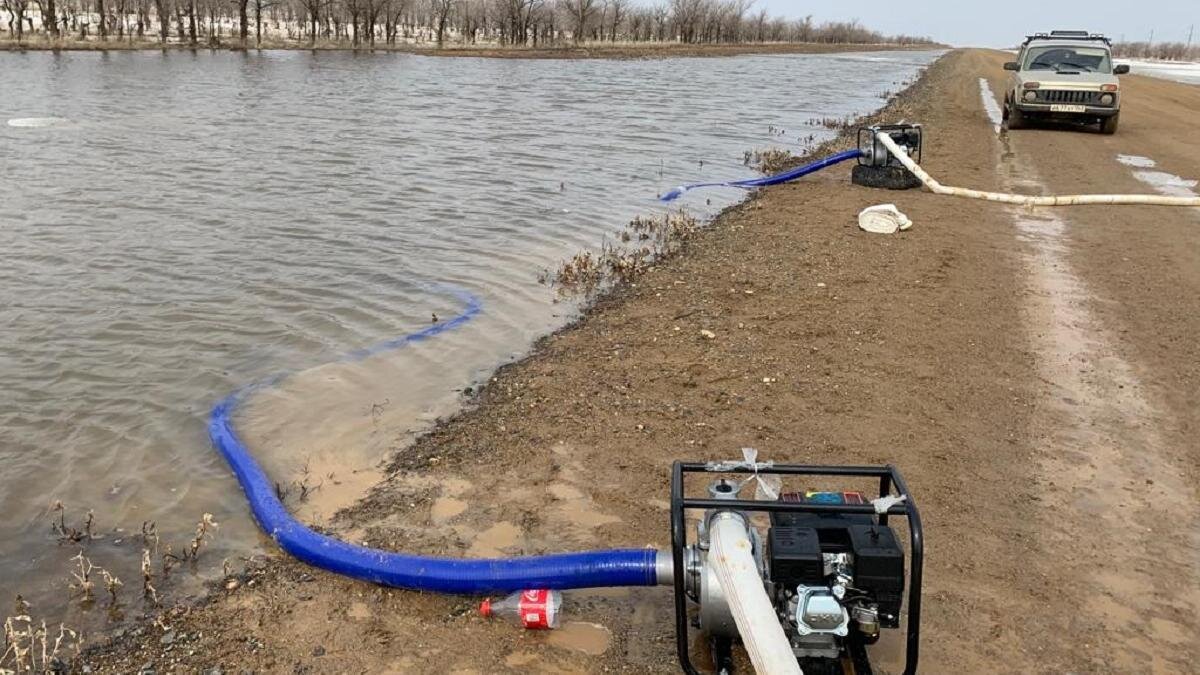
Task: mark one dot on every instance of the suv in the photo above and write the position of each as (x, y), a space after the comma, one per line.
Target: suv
(1065, 74)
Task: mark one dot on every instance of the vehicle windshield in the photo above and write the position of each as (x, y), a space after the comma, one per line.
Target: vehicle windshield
(1069, 59)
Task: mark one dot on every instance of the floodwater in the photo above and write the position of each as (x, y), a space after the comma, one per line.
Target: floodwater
(175, 226)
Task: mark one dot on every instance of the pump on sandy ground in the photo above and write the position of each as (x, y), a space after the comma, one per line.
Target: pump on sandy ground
(805, 580)
(877, 166)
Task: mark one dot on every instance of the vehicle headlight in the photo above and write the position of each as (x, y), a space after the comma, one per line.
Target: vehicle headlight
(1106, 99)
(1030, 96)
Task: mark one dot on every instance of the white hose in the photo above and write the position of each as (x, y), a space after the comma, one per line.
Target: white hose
(1027, 200)
(737, 574)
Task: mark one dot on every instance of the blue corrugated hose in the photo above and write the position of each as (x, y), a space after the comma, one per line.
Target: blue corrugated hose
(789, 175)
(620, 567)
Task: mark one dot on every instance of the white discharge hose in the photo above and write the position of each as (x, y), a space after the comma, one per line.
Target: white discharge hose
(1027, 200)
(737, 574)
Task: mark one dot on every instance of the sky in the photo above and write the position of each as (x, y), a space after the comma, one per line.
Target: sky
(1001, 24)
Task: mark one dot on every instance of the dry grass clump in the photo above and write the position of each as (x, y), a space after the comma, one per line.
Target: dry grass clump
(84, 583)
(205, 531)
(303, 486)
(833, 123)
(770, 160)
(642, 243)
(68, 534)
(28, 647)
(87, 576)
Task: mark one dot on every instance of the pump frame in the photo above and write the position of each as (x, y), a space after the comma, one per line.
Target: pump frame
(875, 154)
(889, 478)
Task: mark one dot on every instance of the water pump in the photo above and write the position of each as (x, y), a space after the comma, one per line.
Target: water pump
(878, 167)
(830, 562)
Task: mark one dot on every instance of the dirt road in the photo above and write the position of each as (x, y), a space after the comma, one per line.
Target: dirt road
(1033, 373)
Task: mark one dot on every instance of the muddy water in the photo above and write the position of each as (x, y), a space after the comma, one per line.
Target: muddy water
(176, 226)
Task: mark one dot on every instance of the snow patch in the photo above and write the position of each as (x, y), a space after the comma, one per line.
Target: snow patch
(1136, 160)
(989, 104)
(1163, 182)
(1188, 73)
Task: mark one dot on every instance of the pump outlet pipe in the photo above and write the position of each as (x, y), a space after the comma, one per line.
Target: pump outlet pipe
(1027, 200)
(786, 176)
(618, 567)
(737, 574)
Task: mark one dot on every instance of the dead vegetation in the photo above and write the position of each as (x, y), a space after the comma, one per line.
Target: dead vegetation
(770, 160)
(67, 534)
(28, 647)
(838, 124)
(85, 578)
(644, 242)
(302, 487)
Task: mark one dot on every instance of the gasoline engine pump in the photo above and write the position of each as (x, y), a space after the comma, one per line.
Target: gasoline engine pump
(832, 566)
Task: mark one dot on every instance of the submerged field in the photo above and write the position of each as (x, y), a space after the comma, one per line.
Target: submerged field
(1030, 372)
(180, 225)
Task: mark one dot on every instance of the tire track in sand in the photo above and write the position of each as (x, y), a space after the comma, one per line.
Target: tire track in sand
(1119, 525)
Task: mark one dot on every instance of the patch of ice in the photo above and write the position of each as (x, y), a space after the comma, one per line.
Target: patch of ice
(1188, 73)
(1163, 182)
(990, 105)
(31, 122)
(1167, 183)
(1136, 160)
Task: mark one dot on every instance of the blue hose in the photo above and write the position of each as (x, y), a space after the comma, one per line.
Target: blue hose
(789, 175)
(621, 567)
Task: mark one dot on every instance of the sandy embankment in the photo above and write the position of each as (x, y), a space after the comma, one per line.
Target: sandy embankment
(948, 350)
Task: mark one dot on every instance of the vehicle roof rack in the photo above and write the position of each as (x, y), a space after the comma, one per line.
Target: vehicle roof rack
(1068, 35)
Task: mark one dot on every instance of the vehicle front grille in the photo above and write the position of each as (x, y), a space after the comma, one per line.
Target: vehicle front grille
(1068, 96)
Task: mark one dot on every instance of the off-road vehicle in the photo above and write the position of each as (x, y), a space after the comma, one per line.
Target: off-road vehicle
(1066, 75)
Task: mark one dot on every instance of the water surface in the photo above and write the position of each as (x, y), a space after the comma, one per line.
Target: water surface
(187, 223)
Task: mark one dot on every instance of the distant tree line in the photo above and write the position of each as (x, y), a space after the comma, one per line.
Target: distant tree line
(1167, 51)
(391, 22)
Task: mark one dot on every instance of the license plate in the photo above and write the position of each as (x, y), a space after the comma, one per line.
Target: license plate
(1068, 108)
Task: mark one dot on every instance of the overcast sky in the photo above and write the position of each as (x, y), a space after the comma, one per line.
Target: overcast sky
(999, 24)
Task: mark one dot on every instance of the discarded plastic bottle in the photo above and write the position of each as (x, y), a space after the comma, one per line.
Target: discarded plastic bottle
(534, 609)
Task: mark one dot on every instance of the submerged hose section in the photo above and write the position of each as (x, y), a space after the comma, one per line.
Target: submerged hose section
(789, 175)
(1028, 200)
(621, 567)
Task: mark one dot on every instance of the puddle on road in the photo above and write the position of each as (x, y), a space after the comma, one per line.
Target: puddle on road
(580, 636)
(445, 509)
(492, 542)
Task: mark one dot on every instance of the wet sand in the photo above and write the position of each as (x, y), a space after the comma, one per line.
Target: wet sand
(1032, 373)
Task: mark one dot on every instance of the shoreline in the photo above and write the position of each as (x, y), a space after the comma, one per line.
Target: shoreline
(619, 51)
(783, 327)
(428, 452)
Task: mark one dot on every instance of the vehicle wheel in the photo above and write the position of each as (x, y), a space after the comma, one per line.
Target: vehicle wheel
(1108, 125)
(889, 177)
(1016, 119)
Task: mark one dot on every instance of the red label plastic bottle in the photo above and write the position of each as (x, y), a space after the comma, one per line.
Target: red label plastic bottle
(535, 609)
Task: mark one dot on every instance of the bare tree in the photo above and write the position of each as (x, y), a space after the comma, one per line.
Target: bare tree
(49, 17)
(440, 10)
(620, 8)
(579, 14)
(17, 9)
(508, 22)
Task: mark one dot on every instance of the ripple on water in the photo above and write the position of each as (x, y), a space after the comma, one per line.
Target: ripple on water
(187, 245)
